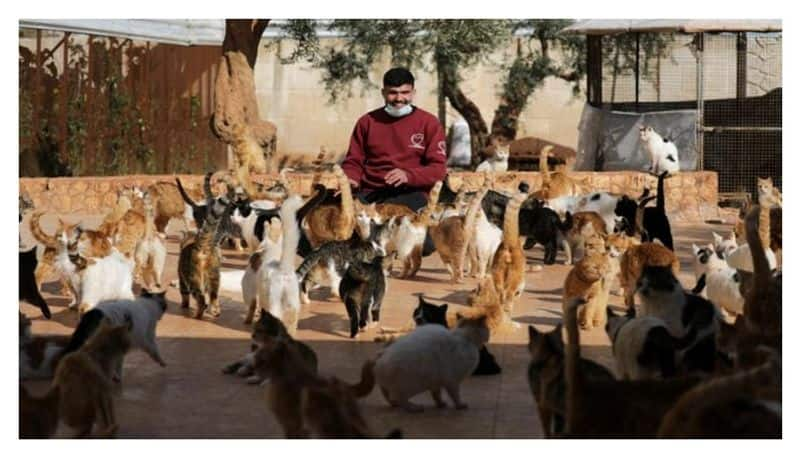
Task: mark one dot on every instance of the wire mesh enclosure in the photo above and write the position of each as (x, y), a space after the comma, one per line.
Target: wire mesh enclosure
(94, 106)
(736, 77)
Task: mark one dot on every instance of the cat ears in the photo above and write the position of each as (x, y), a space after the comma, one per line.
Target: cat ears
(717, 238)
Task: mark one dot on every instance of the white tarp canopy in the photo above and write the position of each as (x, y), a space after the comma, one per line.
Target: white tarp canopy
(187, 32)
(615, 26)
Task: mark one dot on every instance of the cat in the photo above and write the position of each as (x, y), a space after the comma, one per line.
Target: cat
(575, 239)
(740, 258)
(269, 251)
(46, 255)
(362, 289)
(721, 282)
(428, 359)
(546, 377)
(289, 374)
(745, 404)
(143, 312)
(266, 331)
(216, 205)
(655, 222)
(662, 296)
(409, 235)
(483, 245)
(428, 313)
(28, 288)
(508, 264)
(663, 152)
(452, 235)
(542, 225)
(327, 264)
(38, 355)
(636, 258)
(590, 279)
(84, 386)
(126, 231)
(150, 252)
(198, 266)
(607, 408)
(724, 246)
(557, 184)
(278, 284)
(332, 221)
(378, 212)
(498, 162)
(95, 279)
(168, 204)
(643, 348)
(769, 195)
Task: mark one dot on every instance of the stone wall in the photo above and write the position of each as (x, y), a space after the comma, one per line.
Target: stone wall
(691, 196)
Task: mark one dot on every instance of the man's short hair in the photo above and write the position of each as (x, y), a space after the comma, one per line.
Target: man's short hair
(397, 77)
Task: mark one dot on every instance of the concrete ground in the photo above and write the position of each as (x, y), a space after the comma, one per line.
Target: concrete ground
(191, 398)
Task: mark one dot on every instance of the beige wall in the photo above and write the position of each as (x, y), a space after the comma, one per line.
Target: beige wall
(294, 98)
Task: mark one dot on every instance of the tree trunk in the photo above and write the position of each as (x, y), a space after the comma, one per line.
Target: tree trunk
(522, 82)
(236, 120)
(478, 132)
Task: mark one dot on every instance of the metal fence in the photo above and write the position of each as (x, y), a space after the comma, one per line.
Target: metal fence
(740, 112)
(104, 106)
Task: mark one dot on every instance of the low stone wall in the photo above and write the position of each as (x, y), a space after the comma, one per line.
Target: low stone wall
(691, 196)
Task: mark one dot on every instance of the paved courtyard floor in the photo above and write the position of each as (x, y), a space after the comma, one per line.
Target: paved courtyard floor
(191, 398)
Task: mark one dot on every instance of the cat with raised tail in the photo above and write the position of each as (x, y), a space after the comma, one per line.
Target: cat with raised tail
(663, 152)
(429, 359)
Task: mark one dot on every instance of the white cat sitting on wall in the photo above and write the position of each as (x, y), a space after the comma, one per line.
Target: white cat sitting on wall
(663, 152)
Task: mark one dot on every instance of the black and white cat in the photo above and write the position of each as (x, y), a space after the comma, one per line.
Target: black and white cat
(655, 221)
(663, 152)
(28, 290)
(144, 312)
(720, 282)
(543, 226)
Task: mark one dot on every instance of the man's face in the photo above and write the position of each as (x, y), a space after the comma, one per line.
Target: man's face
(398, 96)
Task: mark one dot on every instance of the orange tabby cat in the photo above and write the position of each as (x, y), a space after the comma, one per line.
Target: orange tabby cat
(636, 258)
(557, 184)
(331, 222)
(452, 235)
(590, 280)
(508, 265)
(168, 203)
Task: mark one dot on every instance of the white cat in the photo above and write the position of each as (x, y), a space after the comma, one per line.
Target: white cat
(498, 162)
(483, 245)
(663, 152)
(95, 279)
(429, 359)
(724, 246)
(720, 281)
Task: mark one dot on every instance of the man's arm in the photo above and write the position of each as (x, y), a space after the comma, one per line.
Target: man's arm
(353, 164)
(435, 159)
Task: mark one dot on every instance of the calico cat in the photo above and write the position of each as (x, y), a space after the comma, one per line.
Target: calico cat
(332, 222)
(636, 258)
(428, 359)
(95, 279)
(607, 408)
(328, 263)
(590, 280)
(83, 382)
(198, 266)
(498, 162)
(546, 377)
(643, 347)
(143, 313)
(663, 297)
(289, 374)
(428, 313)
(663, 152)
(508, 265)
(28, 289)
(46, 255)
(266, 331)
(557, 184)
(655, 221)
(38, 355)
(362, 289)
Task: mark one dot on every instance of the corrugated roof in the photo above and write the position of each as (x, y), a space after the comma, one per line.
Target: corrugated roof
(615, 26)
(185, 32)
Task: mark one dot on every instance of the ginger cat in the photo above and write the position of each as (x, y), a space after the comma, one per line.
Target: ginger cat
(168, 204)
(332, 222)
(508, 265)
(590, 280)
(636, 258)
(557, 184)
(768, 194)
(573, 235)
(452, 235)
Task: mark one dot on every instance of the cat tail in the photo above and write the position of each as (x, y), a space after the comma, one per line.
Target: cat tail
(291, 232)
(660, 195)
(471, 218)
(571, 361)
(433, 198)
(511, 220)
(756, 304)
(320, 195)
(207, 190)
(701, 284)
(86, 327)
(348, 214)
(639, 222)
(36, 230)
(367, 383)
(184, 195)
(543, 168)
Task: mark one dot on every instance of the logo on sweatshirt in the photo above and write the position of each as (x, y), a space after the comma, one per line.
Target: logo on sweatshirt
(442, 148)
(416, 141)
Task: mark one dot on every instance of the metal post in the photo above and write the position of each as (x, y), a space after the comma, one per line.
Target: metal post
(636, 71)
(700, 104)
(37, 89)
(62, 115)
(594, 70)
(741, 66)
